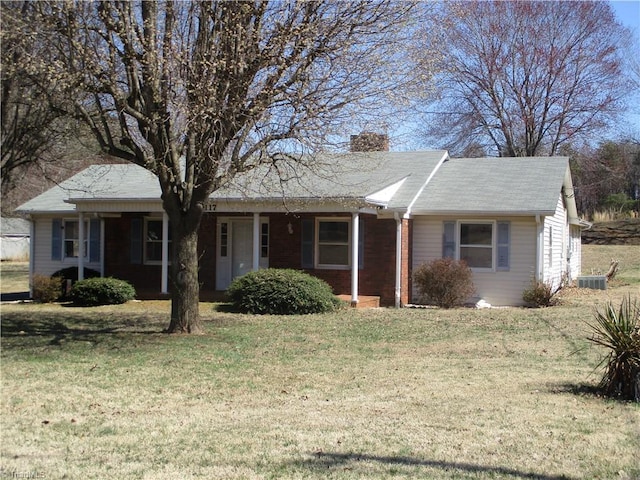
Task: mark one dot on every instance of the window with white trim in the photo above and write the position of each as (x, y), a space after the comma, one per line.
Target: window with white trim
(333, 239)
(483, 245)
(153, 241)
(476, 244)
(71, 243)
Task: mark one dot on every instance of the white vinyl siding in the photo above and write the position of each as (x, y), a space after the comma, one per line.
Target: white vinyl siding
(556, 237)
(575, 252)
(496, 287)
(42, 262)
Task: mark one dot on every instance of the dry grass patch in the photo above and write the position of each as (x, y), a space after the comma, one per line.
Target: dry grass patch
(89, 393)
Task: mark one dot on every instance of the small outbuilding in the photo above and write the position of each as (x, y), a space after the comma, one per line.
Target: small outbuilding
(14, 239)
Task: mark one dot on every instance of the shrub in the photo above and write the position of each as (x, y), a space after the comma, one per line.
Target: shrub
(619, 331)
(540, 294)
(281, 292)
(444, 282)
(71, 273)
(46, 289)
(101, 291)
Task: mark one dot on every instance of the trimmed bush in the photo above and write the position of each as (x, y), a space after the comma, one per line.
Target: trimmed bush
(46, 289)
(281, 292)
(101, 291)
(71, 273)
(618, 329)
(444, 282)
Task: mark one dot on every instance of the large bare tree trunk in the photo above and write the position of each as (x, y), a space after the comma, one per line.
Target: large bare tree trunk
(185, 289)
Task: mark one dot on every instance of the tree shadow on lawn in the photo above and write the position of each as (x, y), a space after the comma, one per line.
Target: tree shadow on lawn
(39, 327)
(330, 460)
(578, 389)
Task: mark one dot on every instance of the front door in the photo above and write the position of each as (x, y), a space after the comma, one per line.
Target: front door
(234, 255)
(241, 248)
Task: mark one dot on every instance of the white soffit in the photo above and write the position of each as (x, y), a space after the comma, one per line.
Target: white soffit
(382, 197)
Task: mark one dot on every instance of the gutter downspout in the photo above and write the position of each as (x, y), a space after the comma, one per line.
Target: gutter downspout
(398, 289)
(407, 215)
(355, 261)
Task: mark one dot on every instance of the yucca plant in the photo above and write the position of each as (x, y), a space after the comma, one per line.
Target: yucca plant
(619, 331)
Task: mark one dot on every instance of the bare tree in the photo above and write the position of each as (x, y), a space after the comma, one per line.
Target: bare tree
(606, 177)
(198, 92)
(30, 125)
(521, 78)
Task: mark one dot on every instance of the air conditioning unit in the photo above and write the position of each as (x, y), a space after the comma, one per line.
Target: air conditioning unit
(595, 282)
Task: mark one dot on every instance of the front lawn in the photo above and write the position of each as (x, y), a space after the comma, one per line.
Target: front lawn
(95, 393)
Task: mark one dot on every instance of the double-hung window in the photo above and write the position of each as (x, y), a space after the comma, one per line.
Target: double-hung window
(333, 243)
(476, 244)
(153, 241)
(65, 240)
(327, 243)
(72, 239)
(483, 245)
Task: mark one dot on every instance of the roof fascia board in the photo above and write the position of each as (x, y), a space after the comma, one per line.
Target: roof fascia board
(483, 213)
(408, 212)
(287, 205)
(569, 197)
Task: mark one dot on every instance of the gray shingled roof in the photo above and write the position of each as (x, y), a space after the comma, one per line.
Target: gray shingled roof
(472, 185)
(340, 176)
(95, 182)
(523, 185)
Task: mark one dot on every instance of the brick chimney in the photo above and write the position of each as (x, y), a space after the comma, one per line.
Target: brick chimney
(370, 142)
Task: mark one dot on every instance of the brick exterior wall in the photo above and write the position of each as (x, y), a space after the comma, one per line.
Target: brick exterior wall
(146, 279)
(376, 278)
(117, 256)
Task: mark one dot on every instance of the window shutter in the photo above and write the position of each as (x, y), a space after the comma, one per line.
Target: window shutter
(361, 244)
(449, 240)
(504, 241)
(136, 240)
(56, 239)
(94, 240)
(307, 242)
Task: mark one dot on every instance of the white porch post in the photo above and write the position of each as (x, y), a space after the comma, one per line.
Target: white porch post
(164, 282)
(355, 234)
(81, 249)
(398, 260)
(256, 242)
(32, 253)
(540, 249)
(102, 227)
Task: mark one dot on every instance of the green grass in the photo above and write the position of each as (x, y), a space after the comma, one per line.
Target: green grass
(94, 393)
